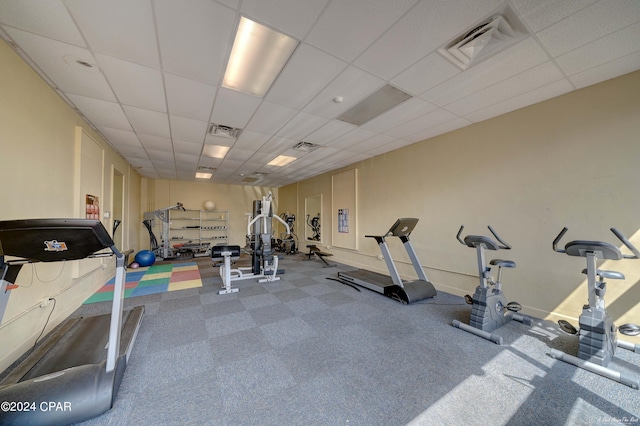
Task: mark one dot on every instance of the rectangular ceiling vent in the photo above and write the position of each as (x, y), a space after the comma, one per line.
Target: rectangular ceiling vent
(206, 169)
(493, 35)
(223, 131)
(253, 177)
(379, 102)
(306, 146)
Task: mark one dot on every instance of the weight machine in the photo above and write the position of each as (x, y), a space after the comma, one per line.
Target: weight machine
(264, 264)
(165, 251)
(288, 242)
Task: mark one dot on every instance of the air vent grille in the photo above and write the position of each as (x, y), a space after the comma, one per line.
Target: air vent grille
(306, 146)
(494, 34)
(223, 131)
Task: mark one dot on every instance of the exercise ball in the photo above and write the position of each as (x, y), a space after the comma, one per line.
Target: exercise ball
(145, 258)
(209, 205)
(134, 265)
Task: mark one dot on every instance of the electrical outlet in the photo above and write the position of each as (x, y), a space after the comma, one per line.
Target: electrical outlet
(45, 302)
(380, 257)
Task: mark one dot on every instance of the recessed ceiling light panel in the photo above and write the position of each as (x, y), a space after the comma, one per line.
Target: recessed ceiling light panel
(257, 57)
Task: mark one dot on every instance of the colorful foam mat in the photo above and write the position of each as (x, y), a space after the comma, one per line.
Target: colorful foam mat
(151, 280)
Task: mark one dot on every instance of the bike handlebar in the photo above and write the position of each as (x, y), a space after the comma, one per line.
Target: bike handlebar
(626, 242)
(557, 240)
(616, 232)
(504, 246)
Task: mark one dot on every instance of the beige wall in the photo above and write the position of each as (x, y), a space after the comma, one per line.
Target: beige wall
(38, 135)
(571, 161)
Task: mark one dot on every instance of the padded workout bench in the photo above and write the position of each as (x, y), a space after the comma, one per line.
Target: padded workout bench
(226, 253)
(313, 249)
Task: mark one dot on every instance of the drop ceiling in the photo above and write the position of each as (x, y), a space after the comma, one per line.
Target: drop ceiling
(146, 74)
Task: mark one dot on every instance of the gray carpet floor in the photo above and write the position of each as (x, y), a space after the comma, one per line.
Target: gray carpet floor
(306, 350)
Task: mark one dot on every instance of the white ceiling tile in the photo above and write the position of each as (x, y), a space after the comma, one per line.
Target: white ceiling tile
(229, 165)
(149, 173)
(426, 74)
(429, 25)
(607, 71)
(352, 85)
(233, 108)
(156, 143)
(589, 24)
(293, 17)
(372, 143)
(231, 3)
(540, 14)
(186, 147)
(616, 45)
(218, 140)
(167, 173)
(308, 71)
(360, 22)
(354, 137)
(157, 157)
(522, 56)
(189, 98)
(131, 152)
(237, 154)
(406, 111)
(301, 125)
(425, 121)
(120, 137)
(209, 162)
(541, 94)
(49, 18)
(134, 84)
(148, 122)
(270, 117)
(527, 81)
(109, 28)
(58, 61)
(140, 162)
(251, 140)
(101, 113)
(187, 129)
(204, 27)
(190, 160)
(328, 132)
(277, 145)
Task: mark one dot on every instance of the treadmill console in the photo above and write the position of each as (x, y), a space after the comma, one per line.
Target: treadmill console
(403, 227)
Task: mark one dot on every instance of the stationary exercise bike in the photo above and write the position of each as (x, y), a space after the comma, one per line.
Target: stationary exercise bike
(598, 334)
(490, 309)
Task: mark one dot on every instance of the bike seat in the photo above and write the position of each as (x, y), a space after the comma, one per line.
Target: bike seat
(503, 263)
(607, 274)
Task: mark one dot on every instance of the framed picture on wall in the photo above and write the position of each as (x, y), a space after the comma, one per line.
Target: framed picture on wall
(92, 207)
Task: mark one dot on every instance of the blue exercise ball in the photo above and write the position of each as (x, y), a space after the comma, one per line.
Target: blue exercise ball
(145, 258)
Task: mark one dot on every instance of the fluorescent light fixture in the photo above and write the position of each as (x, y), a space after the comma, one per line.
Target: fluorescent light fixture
(215, 151)
(257, 57)
(203, 175)
(281, 160)
(375, 104)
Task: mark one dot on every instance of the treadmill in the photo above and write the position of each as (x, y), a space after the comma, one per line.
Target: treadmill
(76, 372)
(393, 286)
